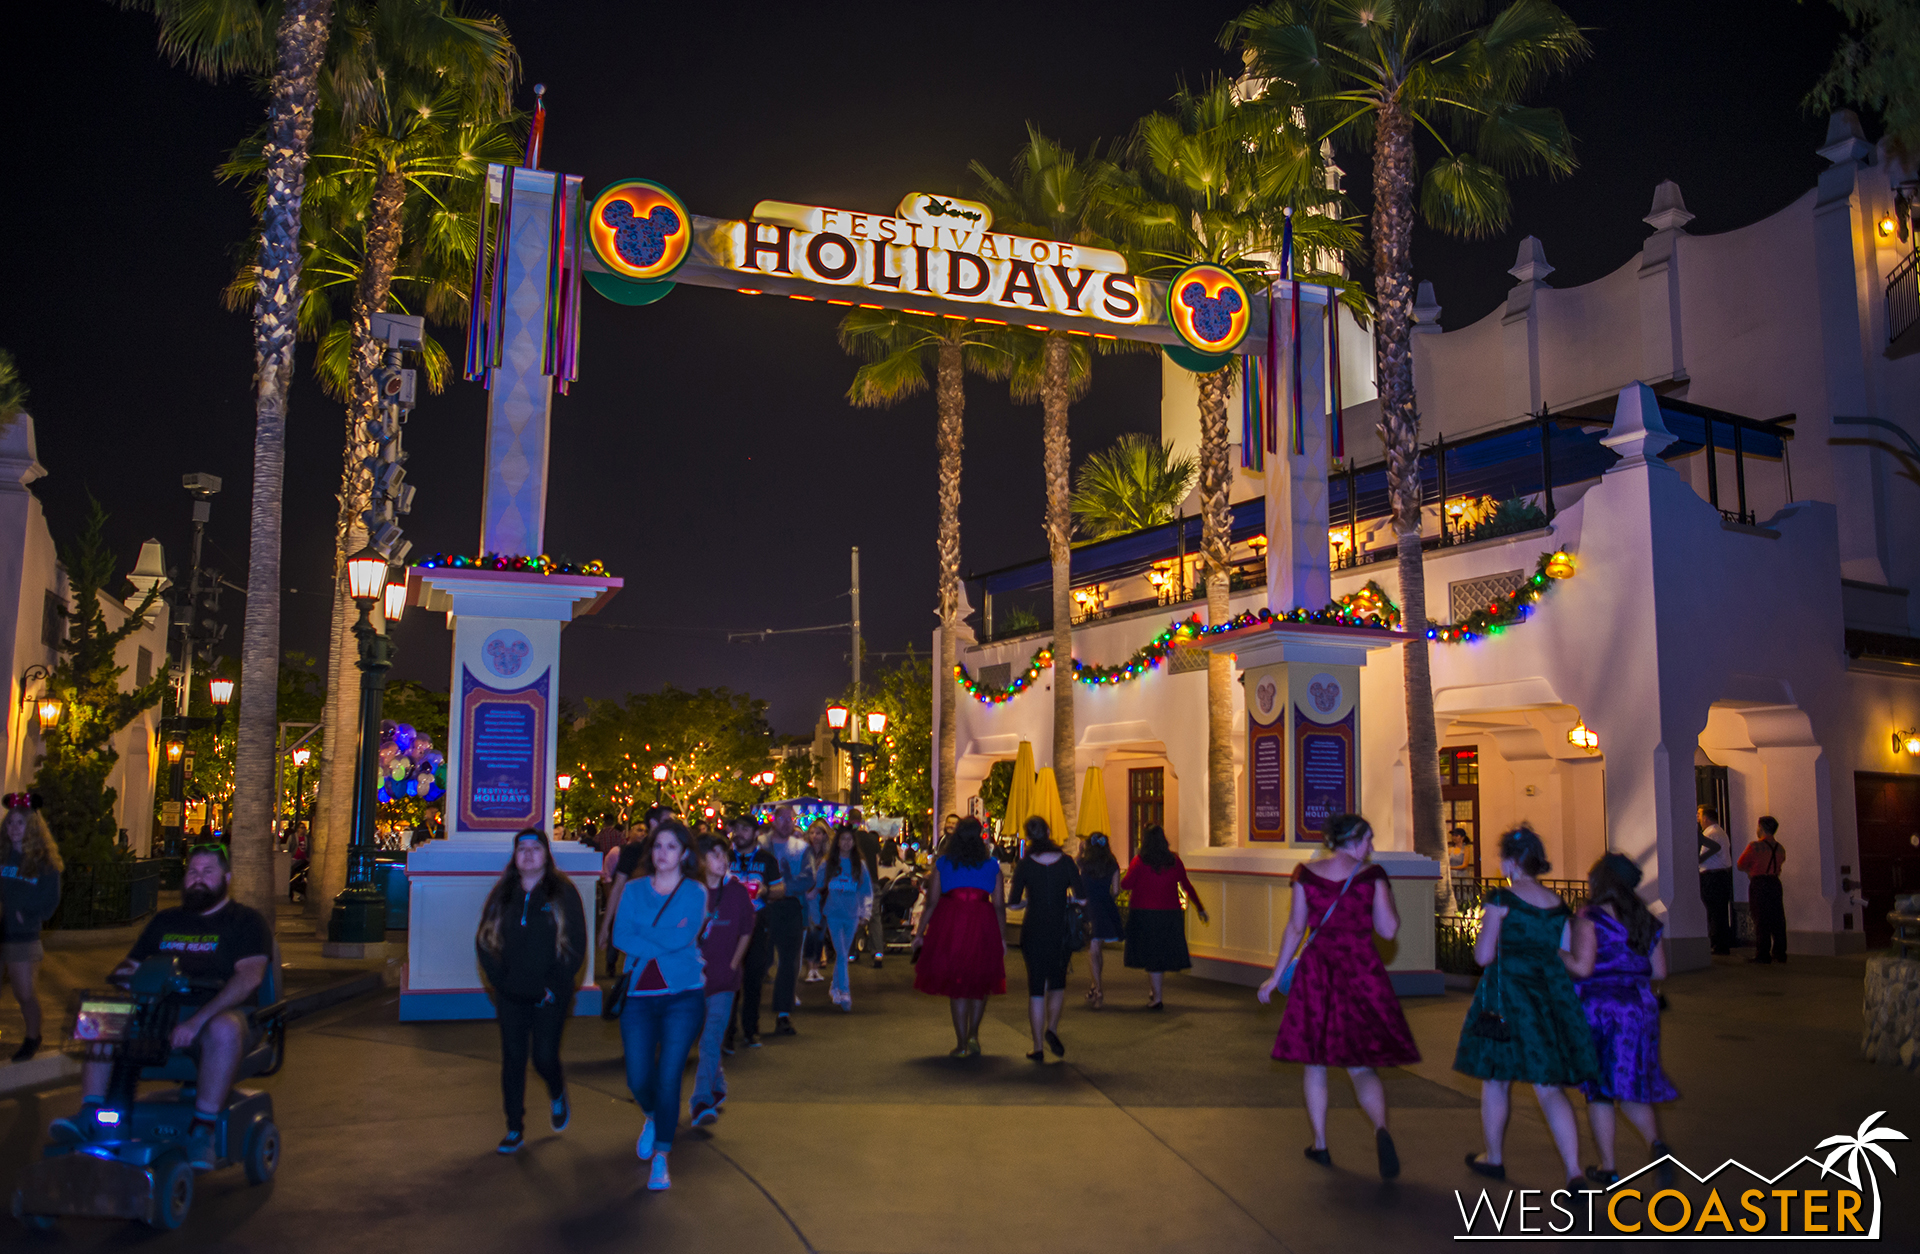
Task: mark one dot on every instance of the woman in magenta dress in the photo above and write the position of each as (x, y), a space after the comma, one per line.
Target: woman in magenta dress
(1342, 1011)
(960, 949)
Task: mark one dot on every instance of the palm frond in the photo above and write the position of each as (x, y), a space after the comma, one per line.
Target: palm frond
(1464, 196)
(1137, 482)
(889, 380)
(214, 39)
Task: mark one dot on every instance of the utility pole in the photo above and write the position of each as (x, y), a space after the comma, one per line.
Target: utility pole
(853, 762)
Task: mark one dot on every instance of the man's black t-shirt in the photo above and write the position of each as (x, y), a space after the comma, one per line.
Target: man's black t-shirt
(759, 869)
(207, 945)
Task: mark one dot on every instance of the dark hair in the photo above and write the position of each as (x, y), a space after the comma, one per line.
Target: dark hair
(831, 867)
(678, 830)
(655, 814)
(1096, 856)
(1521, 846)
(507, 893)
(1769, 824)
(965, 848)
(1039, 836)
(707, 844)
(1345, 829)
(1710, 814)
(1154, 850)
(208, 851)
(1611, 884)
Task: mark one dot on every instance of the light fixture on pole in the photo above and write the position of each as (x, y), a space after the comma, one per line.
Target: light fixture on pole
(301, 756)
(220, 690)
(396, 601)
(659, 781)
(359, 919)
(876, 721)
(563, 781)
(836, 716)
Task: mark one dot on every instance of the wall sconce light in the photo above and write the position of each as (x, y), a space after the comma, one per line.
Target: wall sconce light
(49, 711)
(1580, 736)
(1907, 741)
(1888, 225)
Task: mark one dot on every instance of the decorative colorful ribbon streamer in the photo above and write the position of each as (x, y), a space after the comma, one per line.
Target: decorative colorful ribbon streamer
(559, 355)
(1333, 373)
(1254, 382)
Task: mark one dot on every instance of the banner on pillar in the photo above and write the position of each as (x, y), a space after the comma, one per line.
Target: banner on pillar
(1323, 755)
(502, 755)
(1266, 756)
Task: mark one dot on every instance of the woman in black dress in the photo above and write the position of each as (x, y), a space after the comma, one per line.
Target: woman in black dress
(1044, 879)
(1100, 873)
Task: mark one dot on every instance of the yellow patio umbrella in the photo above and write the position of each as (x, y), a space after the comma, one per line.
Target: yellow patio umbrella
(1046, 805)
(1093, 804)
(1020, 797)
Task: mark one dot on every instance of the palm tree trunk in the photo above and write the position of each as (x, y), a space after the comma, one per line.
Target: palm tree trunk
(1058, 460)
(950, 396)
(356, 490)
(302, 42)
(1216, 537)
(1393, 179)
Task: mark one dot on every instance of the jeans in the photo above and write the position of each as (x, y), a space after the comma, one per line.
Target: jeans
(1768, 908)
(816, 943)
(777, 930)
(709, 1082)
(842, 925)
(522, 1025)
(657, 1033)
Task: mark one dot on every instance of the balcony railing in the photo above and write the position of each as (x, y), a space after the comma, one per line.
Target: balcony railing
(1903, 297)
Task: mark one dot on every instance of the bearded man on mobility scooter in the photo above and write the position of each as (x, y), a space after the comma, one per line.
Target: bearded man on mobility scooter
(200, 1010)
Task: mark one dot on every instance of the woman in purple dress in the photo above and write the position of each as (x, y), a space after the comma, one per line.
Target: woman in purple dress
(1341, 1011)
(1616, 956)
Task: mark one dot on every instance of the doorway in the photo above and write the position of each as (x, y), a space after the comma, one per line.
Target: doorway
(1146, 804)
(1460, 799)
(1888, 807)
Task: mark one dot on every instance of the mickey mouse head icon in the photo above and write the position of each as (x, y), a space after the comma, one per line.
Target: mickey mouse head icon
(1212, 315)
(640, 242)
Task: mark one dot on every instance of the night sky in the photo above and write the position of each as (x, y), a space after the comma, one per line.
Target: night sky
(707, 453)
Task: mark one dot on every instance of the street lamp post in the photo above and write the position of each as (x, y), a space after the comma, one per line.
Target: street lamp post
(564, 783)
(301, 757)
(220, 692)
(659, 781)
(876, 723)
(360, 912)
(175, 827)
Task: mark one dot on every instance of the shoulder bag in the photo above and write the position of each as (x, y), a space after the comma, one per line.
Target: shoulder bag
(1286, 972)
(1489, 1024)
(614, 989)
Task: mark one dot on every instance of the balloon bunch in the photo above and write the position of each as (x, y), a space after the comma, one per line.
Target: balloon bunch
(410, 767)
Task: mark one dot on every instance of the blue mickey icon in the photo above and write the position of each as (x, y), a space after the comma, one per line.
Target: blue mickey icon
(1212, 315)
(641, 242)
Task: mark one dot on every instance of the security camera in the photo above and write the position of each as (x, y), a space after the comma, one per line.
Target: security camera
(201, 483)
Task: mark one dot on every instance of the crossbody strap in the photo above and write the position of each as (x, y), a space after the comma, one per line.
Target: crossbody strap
(1330, 908)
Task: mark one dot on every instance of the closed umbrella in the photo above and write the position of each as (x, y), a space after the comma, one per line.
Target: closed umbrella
(1046, 805)
(1093, 804)
(1020, 797)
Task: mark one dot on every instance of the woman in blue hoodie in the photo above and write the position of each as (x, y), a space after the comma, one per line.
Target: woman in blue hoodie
(532, 940)
(29, 894)
(661, 915)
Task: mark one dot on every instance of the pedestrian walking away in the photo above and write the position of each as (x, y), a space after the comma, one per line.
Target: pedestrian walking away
(662, 915)
(960, 943)
(1100, 880)
(1526, 1022)
(531, 944)
(1716, 879)
(1341, 1009)
(814, 947)
(1156, 921)
(1615, 959)
(1044, 880)
(844, 892)
(787, 914)
(1762, 861)
(723, 949)
(30, 871)
(757, 869)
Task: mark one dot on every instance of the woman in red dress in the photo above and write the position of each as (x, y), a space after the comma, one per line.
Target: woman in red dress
(1156, 919)
(960, 948)
(1342, 1011)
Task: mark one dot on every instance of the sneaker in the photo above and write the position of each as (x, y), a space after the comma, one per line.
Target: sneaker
(200, 1146)
(704, 1113)
(561, 1115)
(753, 1041)
(783, 1026)
(69, 1131)
(726, 1048)
(876, 962)
(657, 1178)
(511, 1142)
(719, 1100)
(644, 1147)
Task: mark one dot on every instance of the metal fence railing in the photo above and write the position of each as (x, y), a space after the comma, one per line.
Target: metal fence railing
(1453, 937)
(1903, 296)
(1470, 893)
(170, 869)
(112, 894)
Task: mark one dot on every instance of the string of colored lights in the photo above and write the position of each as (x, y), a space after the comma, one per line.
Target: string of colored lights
(1368, 606)
(541, 565)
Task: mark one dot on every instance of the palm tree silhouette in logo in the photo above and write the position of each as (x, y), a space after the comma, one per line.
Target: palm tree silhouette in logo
(1855, 1149)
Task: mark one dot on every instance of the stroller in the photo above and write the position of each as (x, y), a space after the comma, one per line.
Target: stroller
(899, 894)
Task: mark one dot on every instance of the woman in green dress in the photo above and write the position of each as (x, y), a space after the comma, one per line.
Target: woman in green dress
(1526, 1022)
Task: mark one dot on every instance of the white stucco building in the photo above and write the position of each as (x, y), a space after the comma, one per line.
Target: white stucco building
(1739, 628)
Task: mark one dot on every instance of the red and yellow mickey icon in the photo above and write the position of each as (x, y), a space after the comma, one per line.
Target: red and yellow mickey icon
(640, 229)
(1209, 308)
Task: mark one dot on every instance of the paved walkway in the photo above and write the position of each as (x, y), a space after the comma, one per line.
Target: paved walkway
(1158, 1132)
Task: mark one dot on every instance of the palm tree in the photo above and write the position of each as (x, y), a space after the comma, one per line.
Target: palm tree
(898, 347)
(1208, 180)
(13, 391)
(1856, 1149)
(1377, 75)
(1139, 482)
(1055, 194)
(215, 39)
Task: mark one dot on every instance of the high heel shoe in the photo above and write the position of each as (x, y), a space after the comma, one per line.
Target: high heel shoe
(1095, 998)
(1323, 1157)
(1389, 1156)
(1038, 1055)
(1480, 1167)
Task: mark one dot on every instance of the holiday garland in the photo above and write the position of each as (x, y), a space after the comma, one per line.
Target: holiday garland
(1368, 606)
(541, 565)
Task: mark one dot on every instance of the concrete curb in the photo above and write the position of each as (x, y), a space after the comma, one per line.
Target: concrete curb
(53, 1069)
